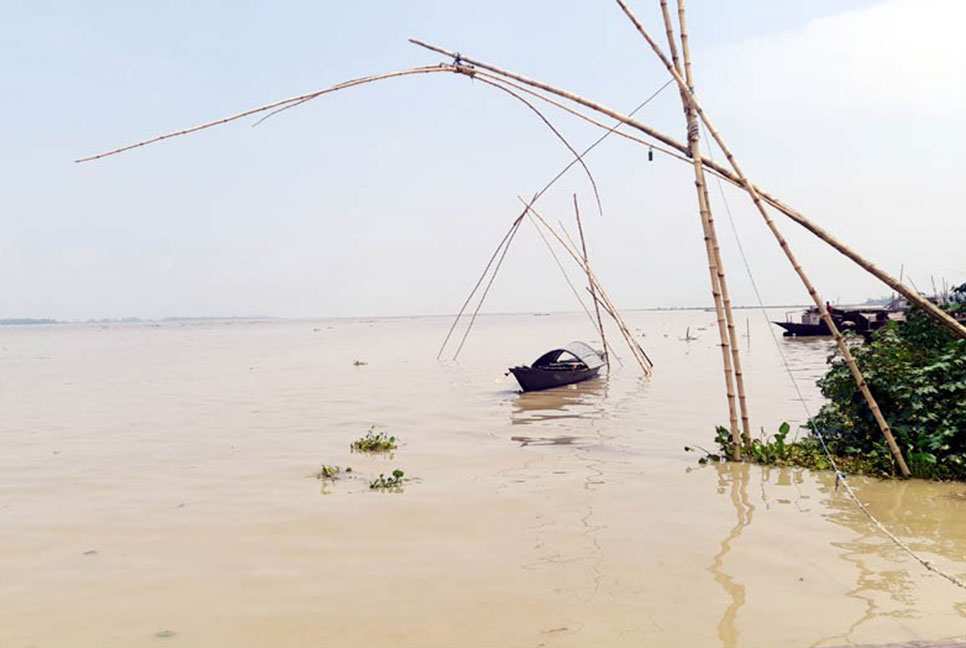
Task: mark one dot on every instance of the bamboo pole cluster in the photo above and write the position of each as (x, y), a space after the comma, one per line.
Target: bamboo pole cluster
(695, 106)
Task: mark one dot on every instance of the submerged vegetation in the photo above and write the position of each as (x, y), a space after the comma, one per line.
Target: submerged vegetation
(331, 472)
(392, 482)
(917, 373)
(374, 442)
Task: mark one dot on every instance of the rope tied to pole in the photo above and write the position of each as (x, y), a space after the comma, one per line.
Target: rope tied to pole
(459, 67)
(694, 132)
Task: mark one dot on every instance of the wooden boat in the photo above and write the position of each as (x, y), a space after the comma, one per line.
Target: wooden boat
(569, 364)
(862, 320)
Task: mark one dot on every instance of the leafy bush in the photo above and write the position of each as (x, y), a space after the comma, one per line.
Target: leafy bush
(917, 373)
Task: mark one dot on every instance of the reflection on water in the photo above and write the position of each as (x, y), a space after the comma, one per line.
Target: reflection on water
(563, 439)
(581, 400)
(801, 353)
(882, 581)
(734, 479)
(926, 515)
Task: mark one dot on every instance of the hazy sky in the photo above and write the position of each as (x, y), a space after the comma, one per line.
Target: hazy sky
(388, 199)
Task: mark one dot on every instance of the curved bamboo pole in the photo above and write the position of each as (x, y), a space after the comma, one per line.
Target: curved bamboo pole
(813, 293)
(426, 69)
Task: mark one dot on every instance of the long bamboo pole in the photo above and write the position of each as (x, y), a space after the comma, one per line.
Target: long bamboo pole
(813, 293)
(593, 294)
(673, 48)
(715, 268)
(694, 138)
(913, 296)
(425, 69)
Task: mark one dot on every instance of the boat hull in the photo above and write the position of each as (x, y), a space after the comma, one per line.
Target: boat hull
(536, 379)
(799, 329)
(855, 322)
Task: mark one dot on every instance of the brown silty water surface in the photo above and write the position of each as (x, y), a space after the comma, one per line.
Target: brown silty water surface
(156, 489)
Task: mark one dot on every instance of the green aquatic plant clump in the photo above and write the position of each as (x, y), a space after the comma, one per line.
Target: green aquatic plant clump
(388, 483)
(777, 450)
(374, 442)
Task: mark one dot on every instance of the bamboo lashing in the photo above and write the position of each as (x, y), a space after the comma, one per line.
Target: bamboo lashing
(593, 294)
(719, 284)
(813, 293)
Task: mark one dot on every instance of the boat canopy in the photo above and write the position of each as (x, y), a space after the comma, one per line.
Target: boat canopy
(586, 354)
(579, 350)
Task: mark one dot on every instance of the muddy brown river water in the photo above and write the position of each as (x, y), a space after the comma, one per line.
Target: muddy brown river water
(156, 490)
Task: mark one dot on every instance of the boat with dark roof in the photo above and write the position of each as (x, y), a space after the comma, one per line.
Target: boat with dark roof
(569, 364)
(858, 319)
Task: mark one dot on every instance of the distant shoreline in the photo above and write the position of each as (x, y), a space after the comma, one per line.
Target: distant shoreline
(43, 321)
(36, 321)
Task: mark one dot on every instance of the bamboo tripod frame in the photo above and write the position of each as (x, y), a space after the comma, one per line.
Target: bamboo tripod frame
(813, 293)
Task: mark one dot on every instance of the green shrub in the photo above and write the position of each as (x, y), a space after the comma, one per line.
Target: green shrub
(917, 373)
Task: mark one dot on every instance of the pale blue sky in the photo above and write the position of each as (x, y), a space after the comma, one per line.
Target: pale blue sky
(388, 199)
